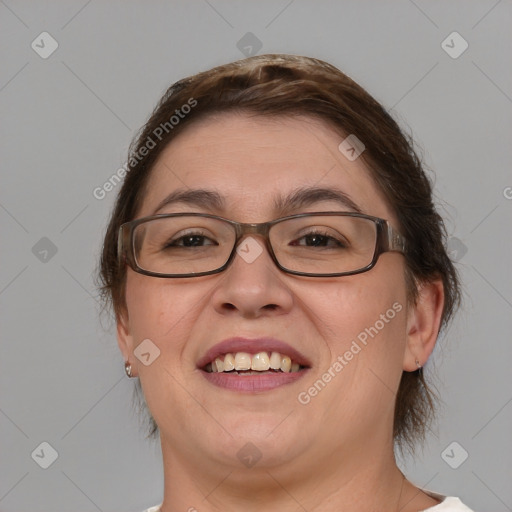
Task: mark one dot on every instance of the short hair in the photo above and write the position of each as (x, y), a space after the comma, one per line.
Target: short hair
(288, 86)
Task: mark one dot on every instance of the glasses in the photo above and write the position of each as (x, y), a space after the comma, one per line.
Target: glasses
(320, 244)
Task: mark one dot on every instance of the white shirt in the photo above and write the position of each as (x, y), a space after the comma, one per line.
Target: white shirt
(448, 504)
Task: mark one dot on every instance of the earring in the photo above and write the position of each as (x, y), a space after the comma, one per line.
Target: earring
(128, 369)
(418, 364)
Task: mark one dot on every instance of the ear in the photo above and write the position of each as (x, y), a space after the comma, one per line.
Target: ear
(124, 338)
(423, 323)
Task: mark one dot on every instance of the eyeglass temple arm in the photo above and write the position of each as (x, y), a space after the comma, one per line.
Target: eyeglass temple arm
(122, 244)
(395, 240)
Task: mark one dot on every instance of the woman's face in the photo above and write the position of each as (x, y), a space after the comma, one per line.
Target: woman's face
(250, 162)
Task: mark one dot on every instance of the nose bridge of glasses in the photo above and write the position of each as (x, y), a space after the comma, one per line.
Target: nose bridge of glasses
(258, 230)
(244, 229)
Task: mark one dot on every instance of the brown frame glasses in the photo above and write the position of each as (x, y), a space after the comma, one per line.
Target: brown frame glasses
(387, 239)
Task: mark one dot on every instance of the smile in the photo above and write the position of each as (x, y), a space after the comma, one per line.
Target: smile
(244, 363)
(252, 365)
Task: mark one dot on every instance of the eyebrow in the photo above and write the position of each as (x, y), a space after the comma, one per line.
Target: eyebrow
(296, 200)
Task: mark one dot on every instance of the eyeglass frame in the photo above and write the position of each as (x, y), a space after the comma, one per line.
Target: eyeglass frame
(388, 239)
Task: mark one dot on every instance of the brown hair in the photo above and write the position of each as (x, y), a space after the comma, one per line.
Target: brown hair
(286, 85)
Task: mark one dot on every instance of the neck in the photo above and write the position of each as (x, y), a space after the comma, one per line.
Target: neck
(367, 479)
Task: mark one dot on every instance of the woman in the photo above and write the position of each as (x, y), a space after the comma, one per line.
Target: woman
(279, 279)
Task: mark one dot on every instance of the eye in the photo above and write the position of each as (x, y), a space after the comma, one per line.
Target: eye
(320, 239)
(193, 239)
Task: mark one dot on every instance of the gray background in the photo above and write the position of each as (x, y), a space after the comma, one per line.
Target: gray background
(67, 121)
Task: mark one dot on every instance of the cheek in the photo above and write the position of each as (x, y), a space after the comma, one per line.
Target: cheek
(160, 311)
(369, 309)
(164, 312)
(363, 321)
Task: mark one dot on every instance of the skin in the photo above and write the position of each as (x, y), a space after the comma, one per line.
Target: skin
(335, 453)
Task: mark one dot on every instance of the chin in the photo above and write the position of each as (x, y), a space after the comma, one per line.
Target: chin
(265, 437)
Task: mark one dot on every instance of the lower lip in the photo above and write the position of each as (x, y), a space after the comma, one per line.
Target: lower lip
(252, 383)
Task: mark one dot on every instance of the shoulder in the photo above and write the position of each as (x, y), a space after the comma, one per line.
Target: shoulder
(156, 508)
(448, 504)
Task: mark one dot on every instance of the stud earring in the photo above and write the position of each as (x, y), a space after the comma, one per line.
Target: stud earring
(418, 364)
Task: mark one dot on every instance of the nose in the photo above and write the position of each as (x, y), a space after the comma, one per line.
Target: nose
(252, 285)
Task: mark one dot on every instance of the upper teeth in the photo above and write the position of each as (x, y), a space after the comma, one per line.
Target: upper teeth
(261, 362)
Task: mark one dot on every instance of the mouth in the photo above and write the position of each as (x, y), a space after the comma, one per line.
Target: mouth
(243, 363)
(247, 365)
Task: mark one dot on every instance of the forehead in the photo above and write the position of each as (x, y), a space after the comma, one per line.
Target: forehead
(253, 163)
